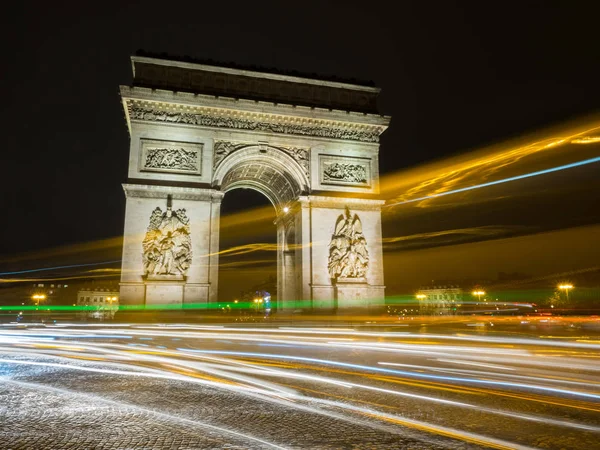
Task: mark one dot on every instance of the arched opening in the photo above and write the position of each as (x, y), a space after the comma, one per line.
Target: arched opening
(261, 239)
(248, 244)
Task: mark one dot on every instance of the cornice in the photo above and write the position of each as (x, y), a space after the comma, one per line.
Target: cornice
(176, 193)
(359, 204)
(175, 98)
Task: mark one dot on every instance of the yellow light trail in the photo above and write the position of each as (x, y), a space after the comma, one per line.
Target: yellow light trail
(481, 166)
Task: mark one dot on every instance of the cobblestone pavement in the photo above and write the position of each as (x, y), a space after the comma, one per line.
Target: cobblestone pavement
(194, 388)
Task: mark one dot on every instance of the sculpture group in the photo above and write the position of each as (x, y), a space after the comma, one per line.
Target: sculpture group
(348, 255)
(167, 247)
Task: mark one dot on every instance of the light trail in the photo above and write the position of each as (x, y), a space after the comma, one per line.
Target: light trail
(399, 372)
(504, 180)
(334, 373)
(269, 372)
(59, 267)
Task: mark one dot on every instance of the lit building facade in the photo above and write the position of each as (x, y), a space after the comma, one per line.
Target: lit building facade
(100, 302)
(440, 299)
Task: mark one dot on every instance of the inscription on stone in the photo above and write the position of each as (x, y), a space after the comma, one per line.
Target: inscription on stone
(175, 157)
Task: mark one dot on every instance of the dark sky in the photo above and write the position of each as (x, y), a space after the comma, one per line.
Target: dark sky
(454, 76)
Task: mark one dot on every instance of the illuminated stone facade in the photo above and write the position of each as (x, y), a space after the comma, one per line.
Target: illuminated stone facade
(310, 146)
(443, 299)
(98, 302)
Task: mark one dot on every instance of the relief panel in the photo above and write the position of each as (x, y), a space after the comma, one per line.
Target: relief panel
(170, 157)
(345, 171)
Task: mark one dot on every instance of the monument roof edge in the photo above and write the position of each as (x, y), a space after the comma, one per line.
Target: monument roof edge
(185, 99)
(251, 73)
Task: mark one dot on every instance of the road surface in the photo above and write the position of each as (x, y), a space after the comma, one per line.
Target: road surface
(190, 386)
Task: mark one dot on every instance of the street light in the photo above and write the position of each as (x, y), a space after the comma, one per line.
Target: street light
(37, 298)
(422, 305)
(110, 300)
(566, 288)
(478, 294)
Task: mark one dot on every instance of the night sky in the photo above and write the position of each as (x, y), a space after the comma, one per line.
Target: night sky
(455, 76)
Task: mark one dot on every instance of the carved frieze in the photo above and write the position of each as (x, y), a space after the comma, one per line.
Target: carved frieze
(208, 119)
(345, 171)
(167, 246)
(173, 157)
(348, 255)
(224, 148)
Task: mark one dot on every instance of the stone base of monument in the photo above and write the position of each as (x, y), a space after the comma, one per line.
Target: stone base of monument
(164, 291)
(351, 294)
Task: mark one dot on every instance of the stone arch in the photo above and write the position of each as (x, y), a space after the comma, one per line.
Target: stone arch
(267, 169)
(314, 158)
(282, 179)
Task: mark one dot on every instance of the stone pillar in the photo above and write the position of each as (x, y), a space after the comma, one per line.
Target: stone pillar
(198, 283)
(281, 281)
(213, 260)
(304, 240)
(359, 285)
(286, 263)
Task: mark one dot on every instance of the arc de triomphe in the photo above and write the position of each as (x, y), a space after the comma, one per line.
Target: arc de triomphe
(310, 146)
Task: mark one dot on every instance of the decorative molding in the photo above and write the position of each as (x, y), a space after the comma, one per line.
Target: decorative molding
(223, 148)
(320, 201)
(345, 171)
(348, 255)
(170, 157)
(167, 246)
(176, 193)
(256, 122)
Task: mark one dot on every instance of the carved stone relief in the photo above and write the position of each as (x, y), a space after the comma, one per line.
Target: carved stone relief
(177, 157)
(210, 120)
(301, 156)
(345, 171)
(167, 246)
(224, 148)
(348, 255)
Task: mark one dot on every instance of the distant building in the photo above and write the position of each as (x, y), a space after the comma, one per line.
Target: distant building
(443, 299)
(99, 302)
(50, 294)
